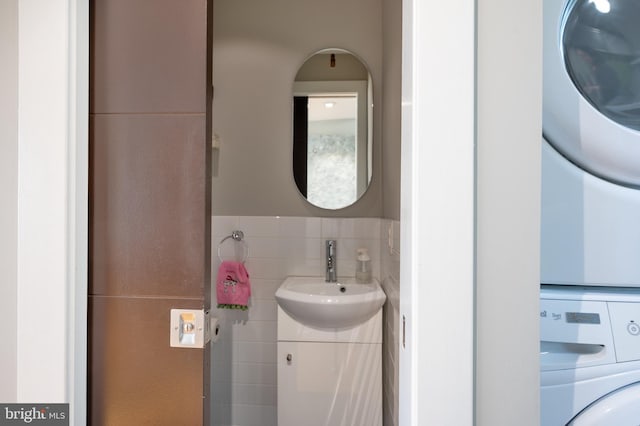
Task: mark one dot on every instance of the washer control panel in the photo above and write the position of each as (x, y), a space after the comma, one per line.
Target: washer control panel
(585, 327)
(625, 322)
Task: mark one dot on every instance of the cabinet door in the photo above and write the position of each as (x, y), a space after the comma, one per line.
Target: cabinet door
(329, 384)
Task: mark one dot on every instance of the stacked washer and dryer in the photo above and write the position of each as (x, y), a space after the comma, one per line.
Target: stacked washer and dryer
(590, 246)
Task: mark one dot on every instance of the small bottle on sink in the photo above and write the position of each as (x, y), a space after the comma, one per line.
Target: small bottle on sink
(363, 266)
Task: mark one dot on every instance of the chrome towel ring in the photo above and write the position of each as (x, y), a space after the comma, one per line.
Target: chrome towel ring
(238, 238)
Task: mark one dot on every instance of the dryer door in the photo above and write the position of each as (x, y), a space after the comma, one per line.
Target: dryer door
(591, 102)
(619, 408)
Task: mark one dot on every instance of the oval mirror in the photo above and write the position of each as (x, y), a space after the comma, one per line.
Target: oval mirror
(332, 129)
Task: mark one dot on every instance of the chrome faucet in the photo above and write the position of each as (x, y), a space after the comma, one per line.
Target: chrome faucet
(331, 275)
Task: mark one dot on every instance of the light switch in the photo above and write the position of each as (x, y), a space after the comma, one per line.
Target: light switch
(189, 328)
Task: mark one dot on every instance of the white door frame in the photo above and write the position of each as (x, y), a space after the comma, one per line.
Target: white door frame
(53, 94)
(470, 214)
(437, 214)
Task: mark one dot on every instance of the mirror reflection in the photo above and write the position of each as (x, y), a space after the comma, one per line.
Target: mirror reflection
(332, 138)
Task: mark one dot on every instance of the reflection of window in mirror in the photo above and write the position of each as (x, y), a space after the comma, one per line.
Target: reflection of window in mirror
(331, 149)
(332, 130)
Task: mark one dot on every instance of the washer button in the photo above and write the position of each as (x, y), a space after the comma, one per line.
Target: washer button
(633, 328)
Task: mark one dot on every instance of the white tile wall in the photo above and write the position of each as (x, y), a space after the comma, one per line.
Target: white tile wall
(244, 359)
(390, 278)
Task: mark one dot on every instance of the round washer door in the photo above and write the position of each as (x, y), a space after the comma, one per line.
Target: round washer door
(591, 99)
(619, 408)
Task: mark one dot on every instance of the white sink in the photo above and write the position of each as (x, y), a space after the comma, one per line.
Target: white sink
(316, 303)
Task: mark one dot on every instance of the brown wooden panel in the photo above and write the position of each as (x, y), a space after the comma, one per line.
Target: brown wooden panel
(136, 378)
(150, 210)
(148, 56)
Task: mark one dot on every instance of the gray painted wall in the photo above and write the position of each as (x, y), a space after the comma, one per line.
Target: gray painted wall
(509, 108)
(258, 48)
(346, 67)
(9, 196)
(391, 101)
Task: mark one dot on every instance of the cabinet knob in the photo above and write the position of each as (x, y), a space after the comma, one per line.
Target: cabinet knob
(289, 357)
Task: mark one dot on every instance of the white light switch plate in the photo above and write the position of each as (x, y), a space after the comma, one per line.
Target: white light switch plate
(189, 328)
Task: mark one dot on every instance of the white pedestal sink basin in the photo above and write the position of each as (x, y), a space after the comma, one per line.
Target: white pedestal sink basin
(316, 303)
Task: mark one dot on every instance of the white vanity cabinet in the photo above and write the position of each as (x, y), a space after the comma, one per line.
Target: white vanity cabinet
(329, 377)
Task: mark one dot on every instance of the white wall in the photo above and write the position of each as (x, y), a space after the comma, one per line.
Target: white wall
(390, 280)
(470, 212)
(52, 203)
(42, 225)
(437, 215)
(9, 195)
(257, 50)
(509, 111)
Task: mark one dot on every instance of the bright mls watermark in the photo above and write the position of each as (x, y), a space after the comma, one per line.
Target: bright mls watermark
(34, 414)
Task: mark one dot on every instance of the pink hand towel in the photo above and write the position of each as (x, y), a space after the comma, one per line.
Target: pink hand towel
(233, 287)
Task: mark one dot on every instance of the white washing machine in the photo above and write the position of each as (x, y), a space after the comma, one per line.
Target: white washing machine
(591, 148)
(590, 356)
